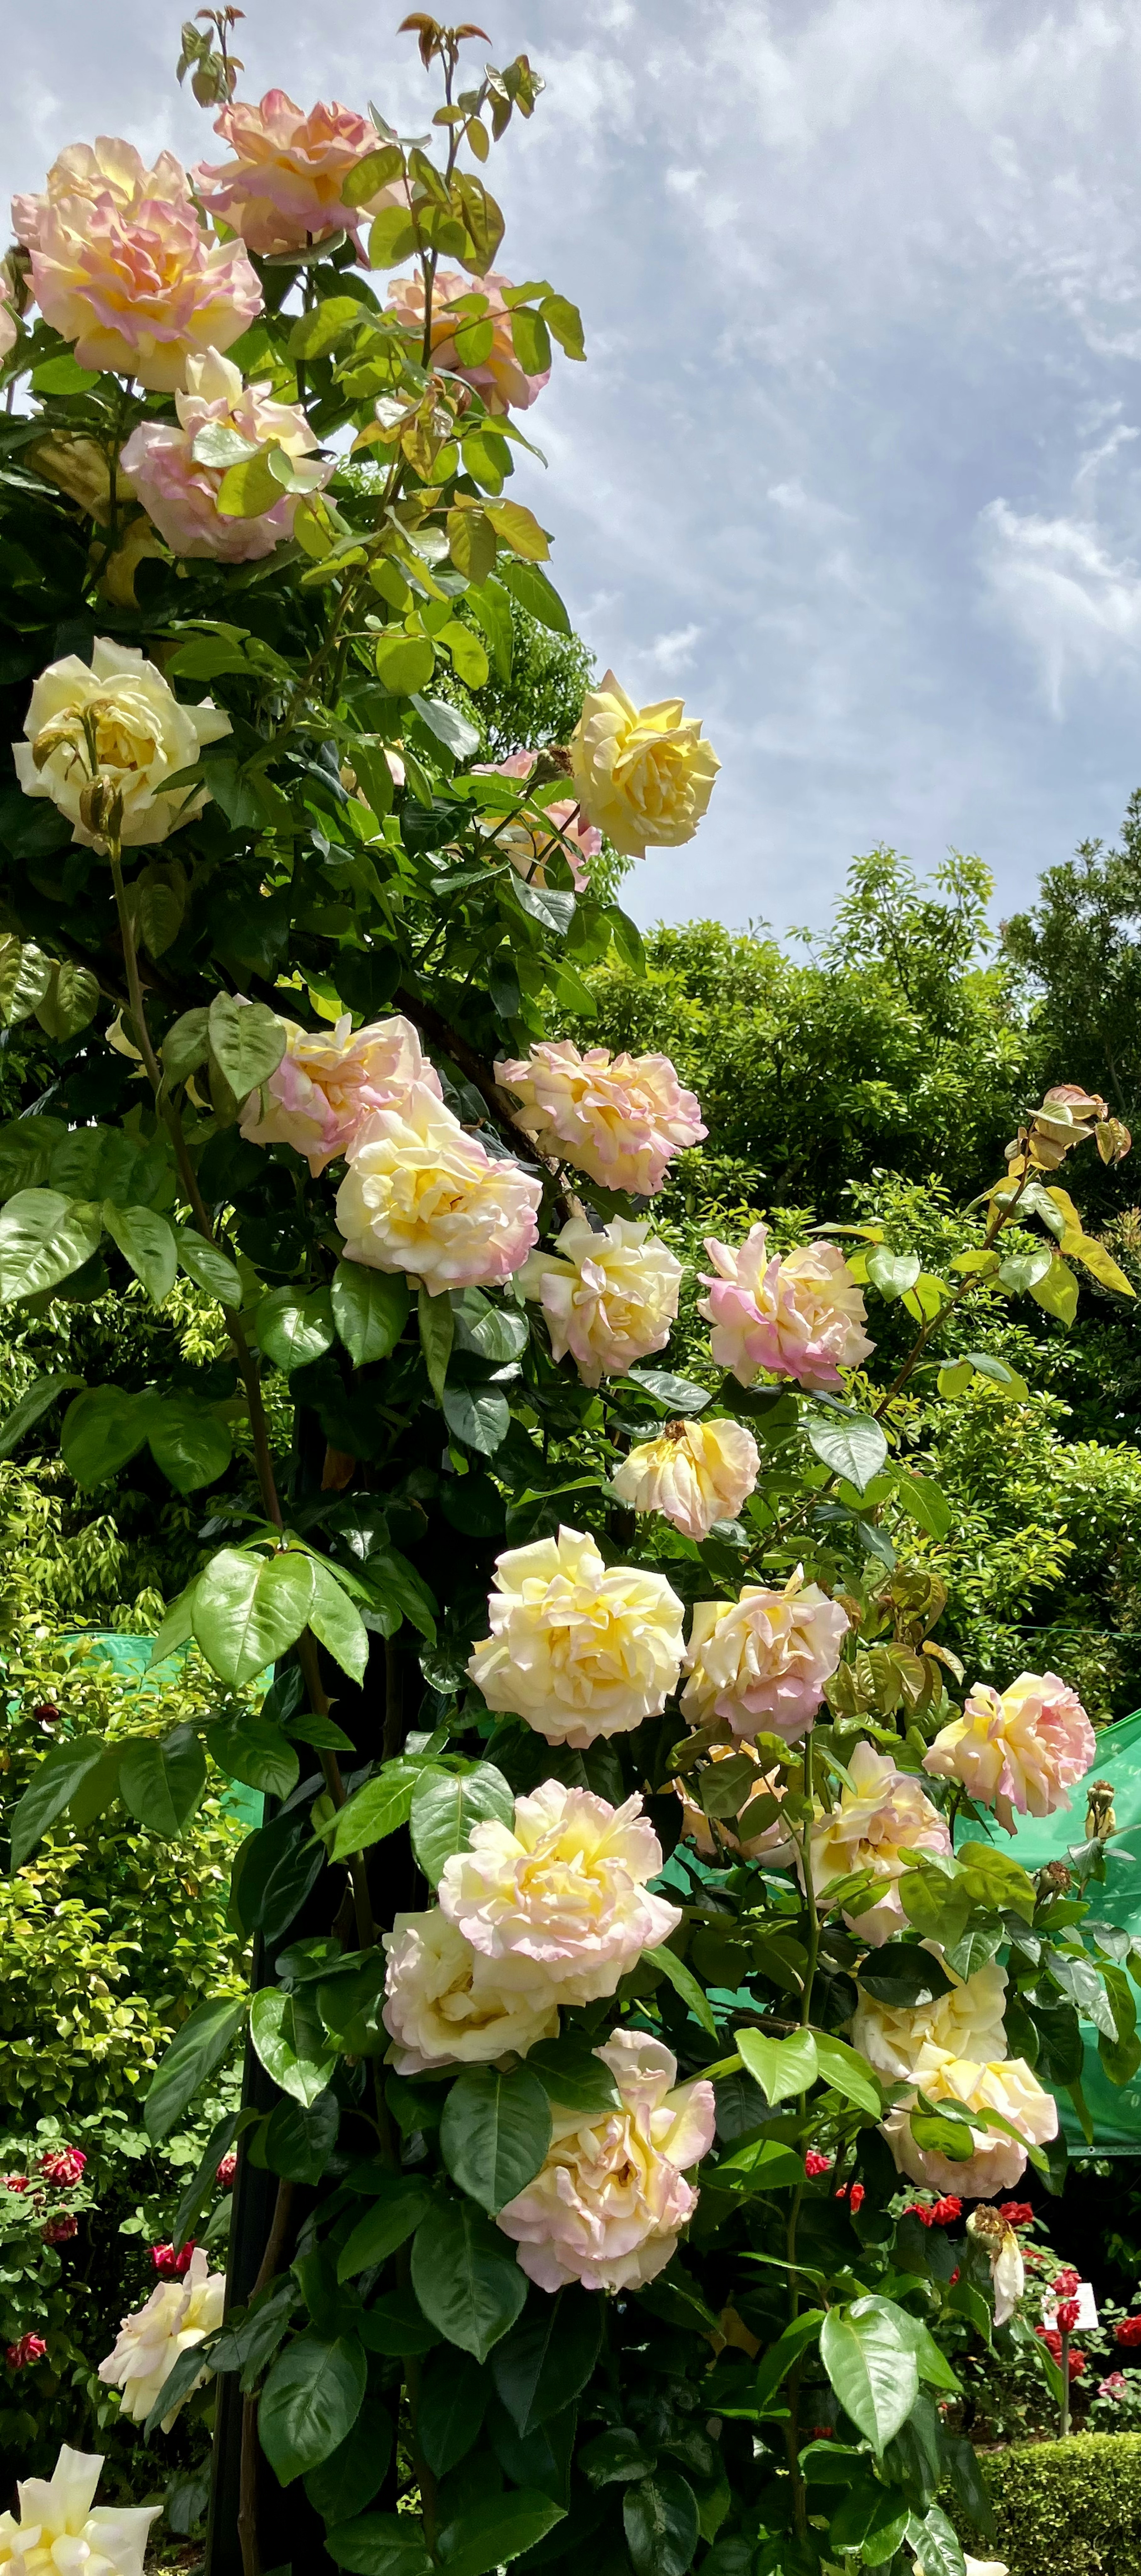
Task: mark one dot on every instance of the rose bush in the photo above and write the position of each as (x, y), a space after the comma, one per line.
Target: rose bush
(618, 1942)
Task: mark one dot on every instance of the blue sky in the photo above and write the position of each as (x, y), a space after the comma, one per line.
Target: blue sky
(855, 466)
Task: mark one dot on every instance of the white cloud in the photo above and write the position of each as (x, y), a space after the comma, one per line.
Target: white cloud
(1074, 605)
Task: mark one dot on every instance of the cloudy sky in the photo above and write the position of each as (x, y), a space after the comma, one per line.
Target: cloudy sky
(855, 466)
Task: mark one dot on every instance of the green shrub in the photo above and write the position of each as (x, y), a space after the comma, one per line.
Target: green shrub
(1073, 2507)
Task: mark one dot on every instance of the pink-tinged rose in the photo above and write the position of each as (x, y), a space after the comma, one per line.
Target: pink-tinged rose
(800, 1316)
(578, 1648)
(142, 291)
(771, 1842)
(176, 2317)
(498, 378)
(111, 170)
(609, 1298)
(607, 2206)
(621, 1119)
(557, 1901)
(179, 490)
(761, 1662)
(998, 2161)
(423, 1197)
(30, 2348)
(1115, 2386)
(965, 2023)
(1018, 1750)
(871, 1826)
(282, 189)
(329, 1082)
(528, 844)
(694, 1473)
(643, 774)
(446, 2005)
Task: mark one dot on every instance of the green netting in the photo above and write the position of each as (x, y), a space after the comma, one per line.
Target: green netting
(1115, 2110)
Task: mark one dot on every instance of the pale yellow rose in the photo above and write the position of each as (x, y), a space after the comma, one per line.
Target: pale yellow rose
(609, 1298)
(643, 774)
(694, 1473)
(557, 1902)
(109, 171)
(330, 1080)
(577, 1648)
(422, 1196)
(60, 2532)
(445, 2004)
(871, 1826)
(607, 2206)
(123, 711)
(176, 2317)
(1021, 1748)
(762, 1661)
(997, 2161)
(966, 2023)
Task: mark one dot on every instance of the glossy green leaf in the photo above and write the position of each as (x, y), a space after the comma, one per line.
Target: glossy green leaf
(572, 2074)
(445, 1807)
(162, 1784)
(893, 1273)
(370, 1310)
(437, 1328)
(337, 1622)
(255, 1751)
(248, 1610)
(353, 2474)
(203, 2043)
(868, 2355)
(38, 1399)
(287, 2038)
(465, 2276)
(388, 2222)
(453, 2402)
(854, 1449)
(405, 663)
(247, 1040)
(146, 1241)
(211, 1270)
(782, 2067)
(102, 1431)
(310, 2403)
(52, 1786)
(661, 2524)
(684, 1983)
(293, 1328)
(495, 2133)
(491, 2534)
(548, 2357)
(188, 1442)
(848, 2073)
(43, 1239)
(380, 2544)
(377, 1810)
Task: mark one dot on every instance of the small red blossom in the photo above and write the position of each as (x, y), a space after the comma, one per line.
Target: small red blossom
(947, 2211)
(57, 2230)
(1017, 2213)
(857, 2196)
(227, 2169)
(169, 2265)
(1050, 2336)
(47, 1712)
(954, 2276)
(63, 2164)
(1077, 2364)
(31, 2347)
(1129, 2331)
(15, 2182)
(1068, 2313)
(815, 2163)
(1066, 2283)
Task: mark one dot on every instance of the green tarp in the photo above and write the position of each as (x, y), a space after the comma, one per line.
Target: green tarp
(1115, 2110)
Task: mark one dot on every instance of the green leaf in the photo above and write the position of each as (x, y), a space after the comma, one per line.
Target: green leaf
(50, 1791)
(481, 1418)
(780, 2357)
(398, 1585)
(211, 1270)
(315, 333)
(188, 1442)
(469, 660)
(370, 1311)
(337, 1622)
(70, 1002)
(854, 1449)
(573, 2076)
(392, 238)
(44, 1238)
(1056, 1291)
(377, 1810)
(299, 2139)
(380, 2544)
(684, 1983)
(893, 1273)
(994, 1878)
(363, 181)
(162, 1784)
(246, 491)
(25, 975)
(495, 2133)
(247, 1041)
(869, 2359)
(186, 1045)
(549, 2356)
(348, 2480)
(661, 2524)
(287, 2037)
(449, 726)
(762, 2164)
(676, 1394)
(38, 1399)
(940, 2544)
(531, 340)
(848, 2073)
(293, 1328)
(437, 1327)
(453, 2402)
(490, 2534)
(391, 2220)
(782, 2067)
(254, 1750)
(249, 1610)
(102, 1430)
(612, 2459)
(446, 1806)
(465, 2277)
(198, 2049)
(404, 663)
(146, 1241)
(535, 593)
(310, 2403)
(926, 1503)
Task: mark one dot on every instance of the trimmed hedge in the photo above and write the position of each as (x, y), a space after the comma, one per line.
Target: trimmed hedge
(1072, 2508)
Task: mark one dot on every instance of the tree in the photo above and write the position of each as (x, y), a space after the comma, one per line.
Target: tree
(1078, 948)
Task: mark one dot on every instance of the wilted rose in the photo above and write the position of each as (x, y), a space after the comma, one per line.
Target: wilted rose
(694, 1473)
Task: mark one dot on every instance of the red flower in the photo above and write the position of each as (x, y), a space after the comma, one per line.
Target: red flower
(47, 1713)
(30, 2348)
(227, 2169)
(1129, 2331)
(1077, 2364)
(815, 2163)
(947, 2211)
(1050, 2336)
(58, 2230)
(169, 2265)
(1017, 2213)
(1068, 2312)
(63, 2164)
(954, 2276)
(857, 2196)
(1066, 2283)
(15, 2182)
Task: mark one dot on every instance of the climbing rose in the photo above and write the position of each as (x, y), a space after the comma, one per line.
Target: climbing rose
(422, 1196)
(1006, 2086)
(62, 2164)
(557, 1902)
(1068, 2314)
(642, 774)
(620, 1119)
(609, 1298)
(282, 189)
(111, 170)
(1128, 2332)
(180, 493)
(138, 286)
(528, 843)
(1115, 2386)
(60, 2530)
(143, 736)
(31, 2347)
(965, 2023)
(762, 1661)
(606, 2206)
(694, 1473)
(1017, 2213)
(1019, 1749)
(177, 2315)
(445, 2005)
(799, 1315)
(227, 2170)
(329, 1081)
(1066, 2282)
(498, 378)
(577, 1648)
(871, 1826)
(57, 2231)
(169, 2265)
